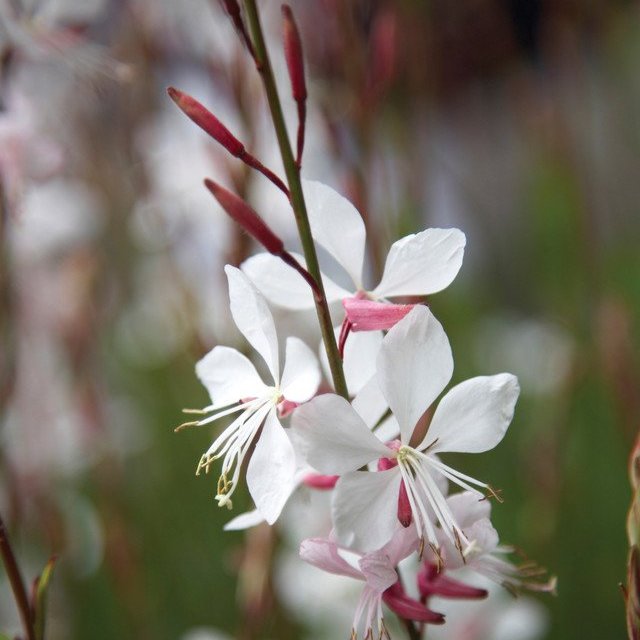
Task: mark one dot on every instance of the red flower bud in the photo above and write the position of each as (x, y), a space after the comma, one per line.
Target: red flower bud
(246, 217)
(207, 121)
(293, 55)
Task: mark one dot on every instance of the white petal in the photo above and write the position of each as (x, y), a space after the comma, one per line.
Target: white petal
(271, 470)
(359, 362)
(422, 263)
(370, 404)
(365, 508)
(332, 437)
(466, 508)
(301, 375)
(414, 366)
(388, 430)
(323, 553)
(229, 376)
(253, 317)
(337, 226)
(474, 415)
(244, 521)
(284, 286)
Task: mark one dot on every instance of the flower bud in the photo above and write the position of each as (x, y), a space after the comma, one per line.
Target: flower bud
(207, 121)
(246, 217)
(293, 55)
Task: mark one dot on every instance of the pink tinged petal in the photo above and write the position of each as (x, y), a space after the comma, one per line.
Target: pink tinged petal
(432, 581)
(422, 263)
(414, 366)
(332, 437)
(283, 286)
(323, 554)
(402, 545)
(467, 508)
(337, 226)
(271, 470)
(229, 376)
(301, 375)
(368, 315)
(320, 481)
(377, 570)
(244, 521)
(364, 508)
(253, 317)
(410, 609)
(474, 416)
(370, 404)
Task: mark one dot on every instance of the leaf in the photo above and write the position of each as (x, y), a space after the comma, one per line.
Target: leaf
(40, 604)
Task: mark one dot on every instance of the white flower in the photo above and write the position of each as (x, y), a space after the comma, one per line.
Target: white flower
(377, 569)
(417, 265)
(414, 366)
(235, 386)
(485, 555)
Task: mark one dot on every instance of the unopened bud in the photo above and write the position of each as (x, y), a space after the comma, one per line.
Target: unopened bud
(207, 122)
(293, 55)
(432, 582)
(246, 217)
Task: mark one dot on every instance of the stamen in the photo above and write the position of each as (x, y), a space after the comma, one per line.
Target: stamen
(184, 425)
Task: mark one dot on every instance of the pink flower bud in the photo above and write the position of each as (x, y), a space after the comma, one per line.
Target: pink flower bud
(207, 121)
(246, 217)
(408, 608)
(368, 315)
(432, 582)
(319, 481)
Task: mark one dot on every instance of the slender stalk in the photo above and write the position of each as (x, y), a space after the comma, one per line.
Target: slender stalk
(17, 584)
(413, 633)
(297, 198)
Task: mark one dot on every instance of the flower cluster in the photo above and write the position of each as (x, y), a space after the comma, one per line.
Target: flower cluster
(378, 450)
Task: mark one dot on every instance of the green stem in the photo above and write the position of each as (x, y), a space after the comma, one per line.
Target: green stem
(296, 197)
(17, 584)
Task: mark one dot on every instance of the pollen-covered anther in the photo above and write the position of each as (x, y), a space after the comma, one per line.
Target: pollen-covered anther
(205, 462)
(185, 425)
(436, 552)
(493, 493)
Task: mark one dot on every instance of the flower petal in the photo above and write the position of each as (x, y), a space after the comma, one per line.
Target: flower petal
(378, 571)
(332, 437)
(323, 553)
(229, 376)
(404, 543)
(337, 226)
(370, 404)
(285, 287)
(467, 508)
(422, 263)
(364, 508)
(474, 415)
(414, 366)
(301, 374)
(359, 362)
(244, 521)
(253, 317)
(271, 470)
